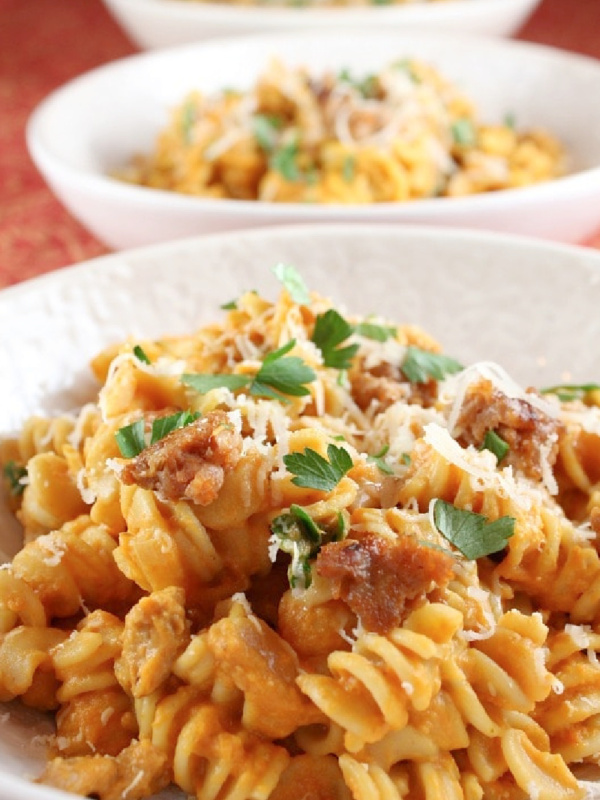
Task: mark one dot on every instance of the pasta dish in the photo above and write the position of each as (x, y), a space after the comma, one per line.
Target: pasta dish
(404, 133)
(300, 552)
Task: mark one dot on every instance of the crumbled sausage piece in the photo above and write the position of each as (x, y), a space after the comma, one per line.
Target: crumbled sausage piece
(138, 771)
(189, 462)
(154, 636)
(523, 427)
(386, 384)
(377, 577)
(264, 667)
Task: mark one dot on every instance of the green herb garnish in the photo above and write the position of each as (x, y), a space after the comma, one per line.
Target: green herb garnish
(293, 282)
(420, 365)
(495, 444)
(15, 475)
(131, 439)
(471, 533)
(378, 460)
(330, 330)
(312, 471)
(297, 534)
(278, 376)
(284, 161)
(349, 168)
(463, 132)
(230, 306)
(379, 333)
(139, 353)
(165, 425)
(265, 128)
(567, 392)
(510, 120)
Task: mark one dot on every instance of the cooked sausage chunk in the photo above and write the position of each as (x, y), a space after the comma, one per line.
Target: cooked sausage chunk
(378, 577)
(524, 428)
(189, 462)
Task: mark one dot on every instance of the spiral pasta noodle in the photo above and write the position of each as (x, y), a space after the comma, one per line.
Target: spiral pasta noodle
(303, 553)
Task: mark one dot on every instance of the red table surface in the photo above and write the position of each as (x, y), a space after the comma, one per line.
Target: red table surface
(44, 43)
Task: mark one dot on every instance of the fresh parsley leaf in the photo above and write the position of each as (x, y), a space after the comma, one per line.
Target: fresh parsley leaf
(349, 167)
(463, 132)
(510, 120)
(378, 460)
(283, 374)
(367, 86)
(278, 376)
(420, 365)
(14, 474)
(379, 333)
(284, 161)
(330, 330)
(204, 383)
(312, 471)
(293, 282)
(131, 439)
(297, 534)
(406, 459)
(165, 425)
(265, 127)
(567, 392)
(139, 353)
(471, 533)
(230, 306)
(495, 444)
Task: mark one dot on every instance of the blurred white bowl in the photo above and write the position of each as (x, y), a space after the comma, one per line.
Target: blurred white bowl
(98, 121)
(161, 23)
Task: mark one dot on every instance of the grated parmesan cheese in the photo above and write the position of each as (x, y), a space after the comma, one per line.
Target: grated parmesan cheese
(453, 389)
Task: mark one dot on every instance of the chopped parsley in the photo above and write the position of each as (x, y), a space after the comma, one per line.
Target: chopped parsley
(230, 306)
(421, 365)
(279, 375)
(15, 475)
(265, 128)
(131, 439)
(377, 459)
(471, 533)
(297, 534)
(312, 471)
(463, 132)
(567, 392)
(367, 87)
(495, 444)
(139, 353)
(330, 330)
(284, 161)
(379, 333)
(349, 168)
(510, 120)
(293, 283)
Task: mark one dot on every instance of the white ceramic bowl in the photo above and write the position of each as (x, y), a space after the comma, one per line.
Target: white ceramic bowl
(484, 296)
(162, 23)
(98, 121)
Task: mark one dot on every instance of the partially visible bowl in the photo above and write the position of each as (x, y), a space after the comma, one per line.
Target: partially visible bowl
(162, 23)
(97, 122)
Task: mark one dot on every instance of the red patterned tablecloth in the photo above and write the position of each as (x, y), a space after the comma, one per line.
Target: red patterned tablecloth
(44, 43)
